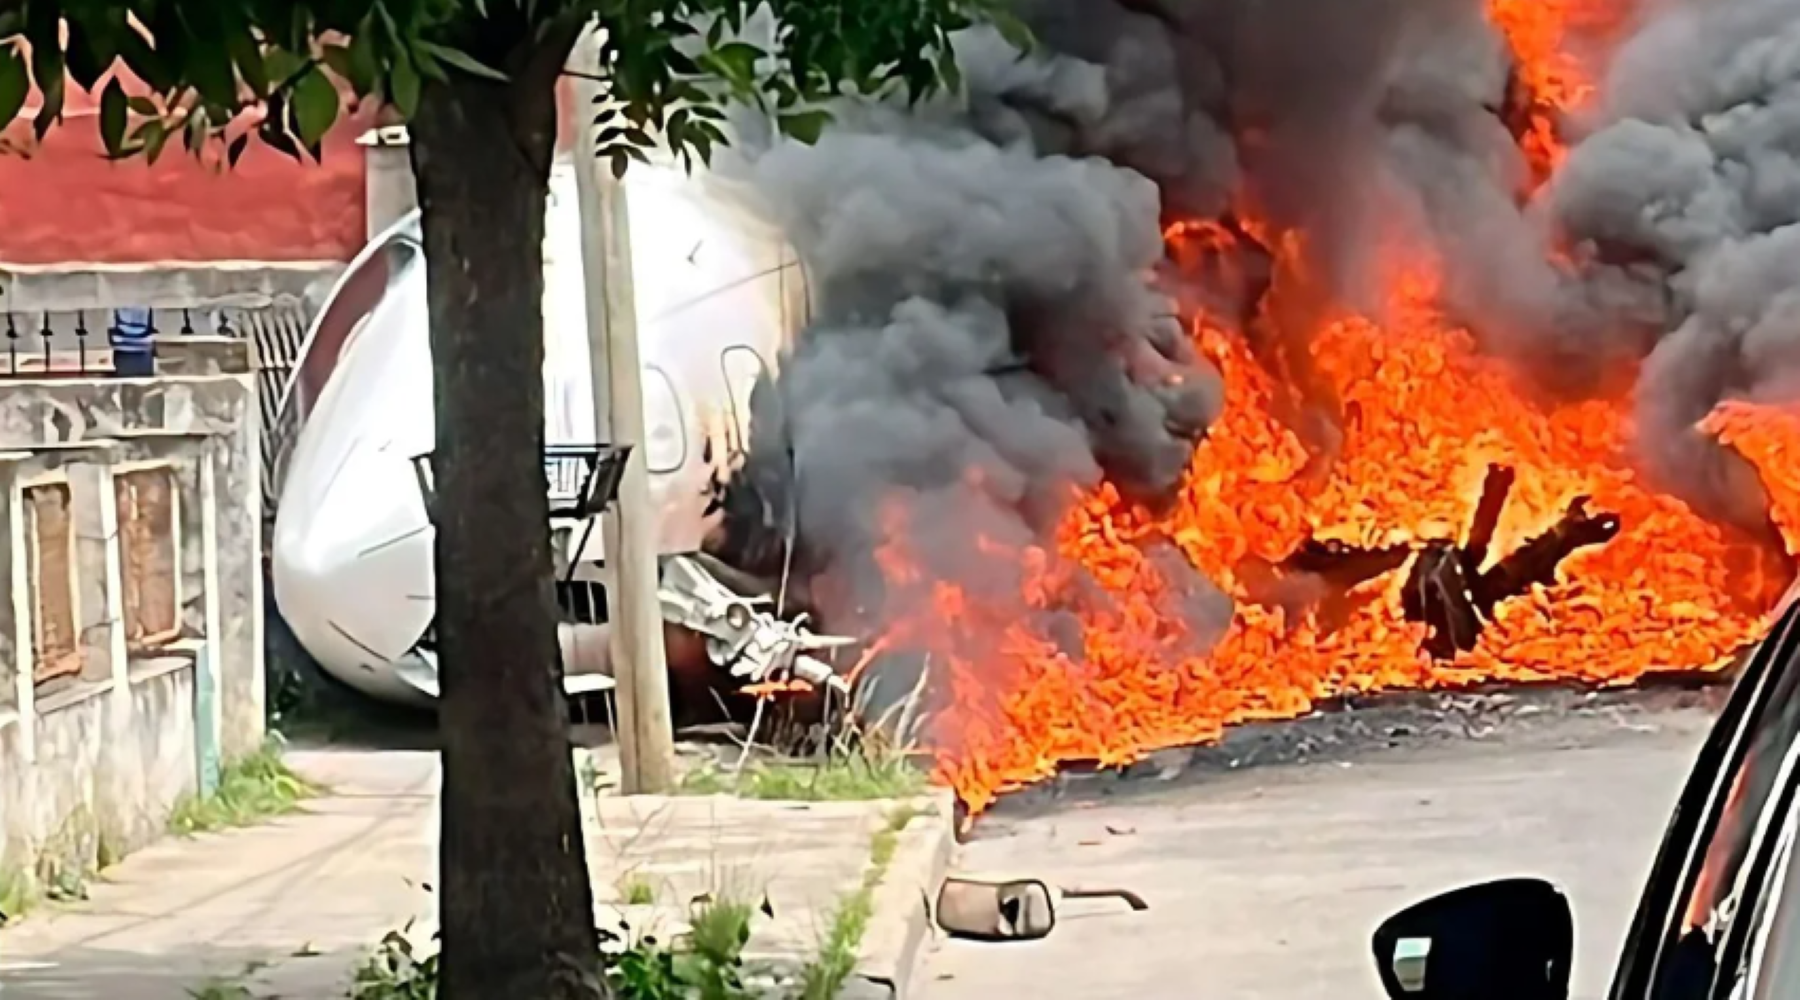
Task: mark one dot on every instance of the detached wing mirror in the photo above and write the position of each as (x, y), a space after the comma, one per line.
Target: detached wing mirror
(1507, 940)
(1020, 910)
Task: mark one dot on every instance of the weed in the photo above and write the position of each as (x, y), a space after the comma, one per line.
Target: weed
(824, 977)
(251, 789)
(228, 989)
(861, 756)
(65, 884)
(846, 779)
(636, 890)
(220, 989)
(397, 971)
(17, 894)
(706, 963)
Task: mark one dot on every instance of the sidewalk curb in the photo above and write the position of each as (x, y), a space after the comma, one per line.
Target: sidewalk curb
(901, 920)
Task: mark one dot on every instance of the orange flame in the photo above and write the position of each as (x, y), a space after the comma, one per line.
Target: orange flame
(1425, 415)
(1088, 652)
(1555, 46)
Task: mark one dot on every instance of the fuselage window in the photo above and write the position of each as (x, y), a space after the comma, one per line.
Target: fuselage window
(742, 368)
(665, 430)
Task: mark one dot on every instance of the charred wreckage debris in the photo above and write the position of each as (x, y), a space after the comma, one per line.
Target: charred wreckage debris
(1450, 588)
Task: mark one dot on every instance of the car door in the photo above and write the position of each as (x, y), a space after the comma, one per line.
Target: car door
(1768, 967)
(1722, 840)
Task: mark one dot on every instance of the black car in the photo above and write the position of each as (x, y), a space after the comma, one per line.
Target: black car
(1720, 917)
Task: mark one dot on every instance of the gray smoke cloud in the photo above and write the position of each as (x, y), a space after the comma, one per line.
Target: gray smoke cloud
(988, 331)
(1691, 171)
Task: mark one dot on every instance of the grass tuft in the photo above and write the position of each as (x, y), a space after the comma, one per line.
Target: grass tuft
(251, 790)
(636, 890)
(839, 779)
(824, 977)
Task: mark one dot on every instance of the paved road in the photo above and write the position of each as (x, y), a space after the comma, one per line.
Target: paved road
(1265, 883)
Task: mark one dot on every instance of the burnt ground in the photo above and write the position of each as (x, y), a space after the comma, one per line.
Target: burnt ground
(1269, 859)
(1402, 723)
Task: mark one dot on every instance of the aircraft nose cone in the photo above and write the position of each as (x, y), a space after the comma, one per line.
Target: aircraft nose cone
(351, 565)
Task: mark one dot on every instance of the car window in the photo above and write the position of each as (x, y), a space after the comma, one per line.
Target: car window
(1729, 817)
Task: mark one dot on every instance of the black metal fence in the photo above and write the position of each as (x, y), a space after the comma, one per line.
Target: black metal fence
(97, 343)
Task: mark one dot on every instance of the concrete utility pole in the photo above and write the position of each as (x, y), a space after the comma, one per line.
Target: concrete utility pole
(645, 733)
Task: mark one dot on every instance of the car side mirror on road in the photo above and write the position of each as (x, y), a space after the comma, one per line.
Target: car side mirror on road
(1019, 910)
(1507, 940)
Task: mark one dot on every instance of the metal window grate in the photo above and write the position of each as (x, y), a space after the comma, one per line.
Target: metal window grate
(277, 335)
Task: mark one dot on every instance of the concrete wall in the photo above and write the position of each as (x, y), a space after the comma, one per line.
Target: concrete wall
(92, 764)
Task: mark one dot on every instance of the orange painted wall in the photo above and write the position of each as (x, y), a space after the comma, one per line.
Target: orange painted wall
(64, 202)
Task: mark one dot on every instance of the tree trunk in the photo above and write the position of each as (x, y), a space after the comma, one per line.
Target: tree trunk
(516, 904)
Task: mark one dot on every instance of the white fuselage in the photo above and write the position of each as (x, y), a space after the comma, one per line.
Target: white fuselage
(717, 297)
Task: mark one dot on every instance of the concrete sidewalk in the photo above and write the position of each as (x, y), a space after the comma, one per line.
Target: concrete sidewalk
(286, 909)
(806, 861)
(290, 909)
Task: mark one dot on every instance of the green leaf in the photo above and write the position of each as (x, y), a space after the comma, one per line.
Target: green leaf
(365, 67)
(151, 137)
(236, 150)
(702, 144)
(15, 84)
(736, 62)
(85, 64)
(804, 125)
(193, 132)
(404, 86)
(337, 59)
(112, 118)
(141, 105)
(315, 106)
(209, 66)
(459, 59)
(252, 65)
(144, 62)
(282, 67)
(948, 72)
(47, 69)
(1011, 28)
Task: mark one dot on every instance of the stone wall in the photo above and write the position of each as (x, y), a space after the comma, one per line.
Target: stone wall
(94, 757)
